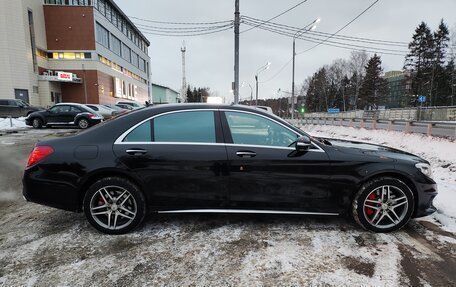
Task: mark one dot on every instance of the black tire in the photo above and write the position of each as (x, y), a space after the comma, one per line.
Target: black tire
(375, 214)
(37, 123)
(83, 123)
(118, 218)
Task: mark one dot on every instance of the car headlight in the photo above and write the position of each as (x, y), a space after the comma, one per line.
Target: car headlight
(424, 168)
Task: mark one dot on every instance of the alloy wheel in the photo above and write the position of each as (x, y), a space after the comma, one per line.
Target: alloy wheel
(113, 207)
(385, 206)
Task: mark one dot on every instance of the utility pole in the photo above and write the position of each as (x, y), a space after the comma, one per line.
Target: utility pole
(184, 80)
(85, 83)
(293, 80)
(236, 52)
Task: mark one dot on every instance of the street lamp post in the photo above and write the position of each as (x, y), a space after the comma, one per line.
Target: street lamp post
(251, 91)
(297, 34)
(261, 69)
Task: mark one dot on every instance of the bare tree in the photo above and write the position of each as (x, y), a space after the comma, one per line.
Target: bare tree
(357, 64)
(336, 73)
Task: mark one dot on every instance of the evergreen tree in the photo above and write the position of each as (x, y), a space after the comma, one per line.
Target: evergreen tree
(374, 89)
(418, 61)
(438, 84)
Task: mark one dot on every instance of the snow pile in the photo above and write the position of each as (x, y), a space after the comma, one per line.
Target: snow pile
(13, 123)
(441, 153)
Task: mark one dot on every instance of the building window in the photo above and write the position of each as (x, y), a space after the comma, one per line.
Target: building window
(102, 35)
(116, 45)
(142, 64)
(68, 55)
(134, 59)
(126, 53)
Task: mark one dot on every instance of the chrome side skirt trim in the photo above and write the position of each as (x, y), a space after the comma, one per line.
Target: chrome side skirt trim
(250, 211)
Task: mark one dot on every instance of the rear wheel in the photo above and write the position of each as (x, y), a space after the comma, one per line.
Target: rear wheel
(37, 123)
(384, 204)
(83, 123)
(114, 205)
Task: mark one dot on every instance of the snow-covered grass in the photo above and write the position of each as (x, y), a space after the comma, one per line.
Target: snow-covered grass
(441, 153)
(13, 123)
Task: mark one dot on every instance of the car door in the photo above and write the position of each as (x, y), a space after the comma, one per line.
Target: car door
(267, 174)
(57, 114)
(4, 108)
(180, 157)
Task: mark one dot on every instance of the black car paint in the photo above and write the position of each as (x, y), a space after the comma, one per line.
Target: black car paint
(182, 176)
(67, 118)
(16, 108)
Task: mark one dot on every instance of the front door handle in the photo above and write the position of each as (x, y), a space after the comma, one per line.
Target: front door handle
(246, 154)
(136, 151)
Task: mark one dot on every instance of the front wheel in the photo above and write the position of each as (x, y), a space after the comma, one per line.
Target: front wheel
(384, 204)
(83, 123)
(37, 123)
(114, 205)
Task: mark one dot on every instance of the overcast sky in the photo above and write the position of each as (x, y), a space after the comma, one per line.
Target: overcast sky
(210, 58)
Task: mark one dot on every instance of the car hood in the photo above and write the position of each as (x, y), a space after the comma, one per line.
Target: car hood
(355, 147)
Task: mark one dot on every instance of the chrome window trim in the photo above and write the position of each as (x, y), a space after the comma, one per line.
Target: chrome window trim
(120, 139)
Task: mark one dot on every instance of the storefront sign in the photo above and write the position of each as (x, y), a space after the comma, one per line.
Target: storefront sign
(63, 76)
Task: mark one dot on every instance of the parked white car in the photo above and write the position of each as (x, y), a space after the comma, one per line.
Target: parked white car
(133, 104)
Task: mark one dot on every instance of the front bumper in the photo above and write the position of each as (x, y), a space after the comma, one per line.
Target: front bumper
(424, 203)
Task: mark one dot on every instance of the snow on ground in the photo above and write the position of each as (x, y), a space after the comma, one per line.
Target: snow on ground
(440, 152)
(13, 123)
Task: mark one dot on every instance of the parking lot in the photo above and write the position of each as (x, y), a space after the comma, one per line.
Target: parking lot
(42, 246)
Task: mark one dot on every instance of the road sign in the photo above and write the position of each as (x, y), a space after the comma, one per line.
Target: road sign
(334, 110)
(422, 99)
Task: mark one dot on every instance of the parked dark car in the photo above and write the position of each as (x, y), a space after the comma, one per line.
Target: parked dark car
(16, 108)
(217, 158)
(64, 114)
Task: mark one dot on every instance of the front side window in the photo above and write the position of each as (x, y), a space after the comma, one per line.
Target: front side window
(192, 126)
(60, 109)
(249, 129)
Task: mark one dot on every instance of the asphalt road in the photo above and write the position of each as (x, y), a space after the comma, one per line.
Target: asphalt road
(41, 246)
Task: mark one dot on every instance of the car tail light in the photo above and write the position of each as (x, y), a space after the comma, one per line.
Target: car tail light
(91, 115)
(38, 154)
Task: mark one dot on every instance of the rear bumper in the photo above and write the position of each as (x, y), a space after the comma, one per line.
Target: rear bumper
(48, 191)
(424, 203)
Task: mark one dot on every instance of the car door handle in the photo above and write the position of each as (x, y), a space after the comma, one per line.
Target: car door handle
(246, 154)
(136, 151)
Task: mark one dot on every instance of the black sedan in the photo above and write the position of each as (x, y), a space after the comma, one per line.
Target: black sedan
(64, 114)
(216, 158)
(16, 108)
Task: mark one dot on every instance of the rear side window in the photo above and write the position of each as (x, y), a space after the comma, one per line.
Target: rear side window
(192, 126)
(140, 134)
(3, 102)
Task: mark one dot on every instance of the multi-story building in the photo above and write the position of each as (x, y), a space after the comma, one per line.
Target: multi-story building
(398, 89)
(85, 51)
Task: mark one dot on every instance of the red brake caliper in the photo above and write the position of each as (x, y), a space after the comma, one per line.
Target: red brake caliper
(100, 201)
(370, 211)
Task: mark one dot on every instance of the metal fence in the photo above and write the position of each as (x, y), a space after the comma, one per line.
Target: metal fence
(409, 114)
(438, 129)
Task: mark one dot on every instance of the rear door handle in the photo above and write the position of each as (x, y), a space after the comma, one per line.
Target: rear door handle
(136, 151)
(246, 154)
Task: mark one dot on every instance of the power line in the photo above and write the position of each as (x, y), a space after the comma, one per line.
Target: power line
(318, 33)
(337, 44)
(202, 29)
(286, 11)
(181, 23)
(190, 34)
(345, 26)
(179, 28)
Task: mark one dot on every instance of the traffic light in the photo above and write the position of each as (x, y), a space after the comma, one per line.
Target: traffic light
(302, 109)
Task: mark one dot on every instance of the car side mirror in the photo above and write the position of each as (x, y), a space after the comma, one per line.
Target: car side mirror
(303, 144)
